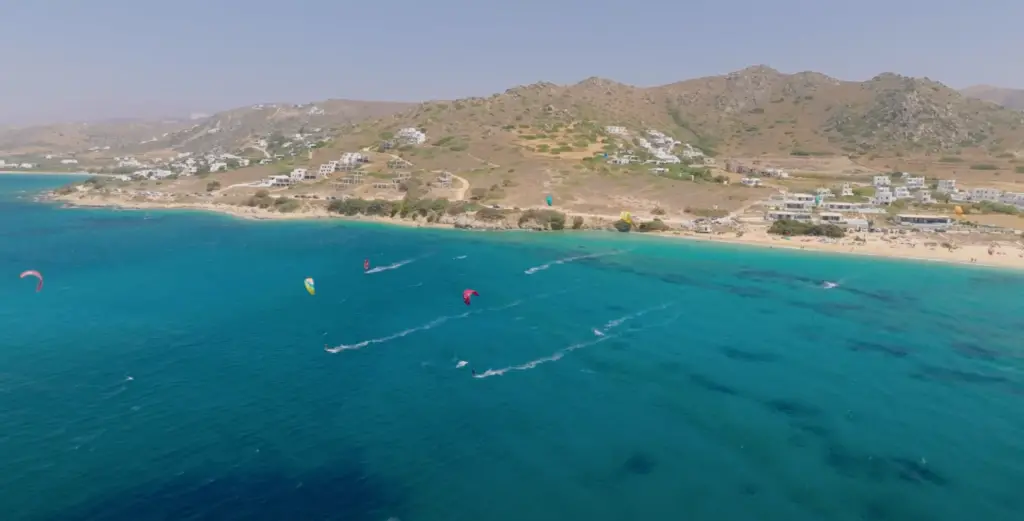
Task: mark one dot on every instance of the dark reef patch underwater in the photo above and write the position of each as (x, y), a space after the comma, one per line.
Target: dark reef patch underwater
(174, 368)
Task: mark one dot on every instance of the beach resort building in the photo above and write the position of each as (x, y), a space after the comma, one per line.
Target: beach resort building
(779, 215)
(946, 186)
(841, 206)
(925, 221)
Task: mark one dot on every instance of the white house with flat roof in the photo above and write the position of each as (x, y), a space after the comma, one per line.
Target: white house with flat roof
(946, 186)
(914, 183)
(882, 196)
(325, 169)
(881, 180)
(299, 174)
(902, 192)
(986, 194)
(846, 190)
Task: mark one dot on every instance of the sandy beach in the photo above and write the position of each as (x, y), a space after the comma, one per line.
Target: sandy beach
(967, 249)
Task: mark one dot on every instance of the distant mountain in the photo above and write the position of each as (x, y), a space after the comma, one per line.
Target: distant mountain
(1009, 98)
(225, 131)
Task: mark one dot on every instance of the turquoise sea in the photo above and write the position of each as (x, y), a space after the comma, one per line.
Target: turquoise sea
(174, 368)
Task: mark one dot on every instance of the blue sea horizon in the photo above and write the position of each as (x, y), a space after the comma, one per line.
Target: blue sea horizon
(174, 368)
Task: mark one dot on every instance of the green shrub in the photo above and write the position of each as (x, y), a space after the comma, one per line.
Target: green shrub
(549, 219)
(212, 185)
(490, 214)
(657, 225)
(790, 228)
(984, 166)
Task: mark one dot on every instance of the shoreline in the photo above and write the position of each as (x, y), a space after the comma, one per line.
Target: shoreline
(913, 247)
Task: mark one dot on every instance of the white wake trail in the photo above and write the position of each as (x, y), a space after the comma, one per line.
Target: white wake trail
(558, 355)
(394, 266)
(545, 266)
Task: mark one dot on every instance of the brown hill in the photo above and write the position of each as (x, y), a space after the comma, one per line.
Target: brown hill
(757, 110)
(1009, 98)
(227, 131)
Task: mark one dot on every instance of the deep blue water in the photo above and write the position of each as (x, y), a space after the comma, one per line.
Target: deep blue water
(173, 368)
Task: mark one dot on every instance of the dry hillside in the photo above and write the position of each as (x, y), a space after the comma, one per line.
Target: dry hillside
(757, 110)
(1009, 98)
(226, 131)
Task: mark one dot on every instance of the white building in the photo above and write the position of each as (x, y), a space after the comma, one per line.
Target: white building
(882, 196)
(299, 174)
(881, 180)
(947, 186)
(823, 193)
(691, 152)
(218, 166)
(411, 136)
(846, 190)
(914, 183)
(283, 180)
(924, 197)
(1014, 198)
(69, 161)
(750, 181)
(352, 158)
(325, 169)
(986, 194)
(615, 130)
(902, 192)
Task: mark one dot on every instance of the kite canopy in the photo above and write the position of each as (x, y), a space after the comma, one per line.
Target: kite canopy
(36, 274)
(310, 285)
(549, 200)
(466, 295)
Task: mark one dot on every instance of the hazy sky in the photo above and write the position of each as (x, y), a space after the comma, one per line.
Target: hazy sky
(75, 60)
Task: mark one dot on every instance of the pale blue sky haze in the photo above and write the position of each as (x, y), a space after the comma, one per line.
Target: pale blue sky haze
(79, 60)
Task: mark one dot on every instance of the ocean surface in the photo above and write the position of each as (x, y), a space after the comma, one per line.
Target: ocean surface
(174, 368)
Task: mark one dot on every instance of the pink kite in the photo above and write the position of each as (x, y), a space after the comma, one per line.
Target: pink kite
(36, 274)
(469, 293)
